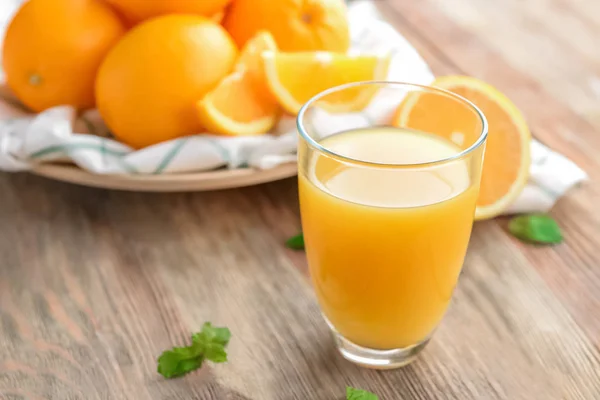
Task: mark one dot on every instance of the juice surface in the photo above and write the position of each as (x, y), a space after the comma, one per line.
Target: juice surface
(386, 245)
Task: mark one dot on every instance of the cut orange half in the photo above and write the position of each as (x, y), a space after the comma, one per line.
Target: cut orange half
(507, 158)
(241, 104)
(294, 78)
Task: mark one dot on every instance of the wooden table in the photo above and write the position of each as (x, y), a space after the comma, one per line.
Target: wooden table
(94, 285)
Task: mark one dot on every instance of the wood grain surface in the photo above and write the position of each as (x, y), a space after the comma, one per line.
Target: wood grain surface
(95, 284)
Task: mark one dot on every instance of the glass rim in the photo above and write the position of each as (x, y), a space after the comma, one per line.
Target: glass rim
(425, 88)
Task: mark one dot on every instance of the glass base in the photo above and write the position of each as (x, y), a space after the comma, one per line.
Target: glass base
(377, 359)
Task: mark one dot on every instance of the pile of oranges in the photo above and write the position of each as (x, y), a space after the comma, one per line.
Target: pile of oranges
(161, 69)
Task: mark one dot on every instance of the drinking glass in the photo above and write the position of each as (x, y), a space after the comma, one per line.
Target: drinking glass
(389, 176)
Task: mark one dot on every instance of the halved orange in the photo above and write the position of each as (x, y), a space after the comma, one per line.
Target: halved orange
(294, 78)
(241, 104)
(507, 158)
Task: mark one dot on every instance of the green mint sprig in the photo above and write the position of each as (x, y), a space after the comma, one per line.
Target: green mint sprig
(209, 344)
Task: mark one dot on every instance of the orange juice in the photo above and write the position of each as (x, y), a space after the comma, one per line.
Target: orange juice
(386, 244)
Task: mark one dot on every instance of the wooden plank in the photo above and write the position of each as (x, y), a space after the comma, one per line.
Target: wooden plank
(91, 323)
(586, 11)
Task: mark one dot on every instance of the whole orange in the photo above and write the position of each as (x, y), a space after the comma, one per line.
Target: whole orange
(296, 25)
(53, 48)
(136, 11)
(148, 85)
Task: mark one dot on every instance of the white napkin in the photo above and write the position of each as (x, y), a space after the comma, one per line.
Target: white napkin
(57, 134)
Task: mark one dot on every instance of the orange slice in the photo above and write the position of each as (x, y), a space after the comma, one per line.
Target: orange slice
(507, 159)
(241, 104)
(294, 78)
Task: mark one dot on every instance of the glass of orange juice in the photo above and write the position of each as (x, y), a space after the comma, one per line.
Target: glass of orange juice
(388, 185)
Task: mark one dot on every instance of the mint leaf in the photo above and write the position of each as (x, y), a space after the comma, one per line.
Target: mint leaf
(296, 242)
(179, 361)
(212, 333)
(208, 344)
(215, 353)
(358, 394)
(535, 228)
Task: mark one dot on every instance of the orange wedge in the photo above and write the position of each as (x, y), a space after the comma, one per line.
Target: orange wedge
(294, 78)
(241, 104)
(507, 160)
